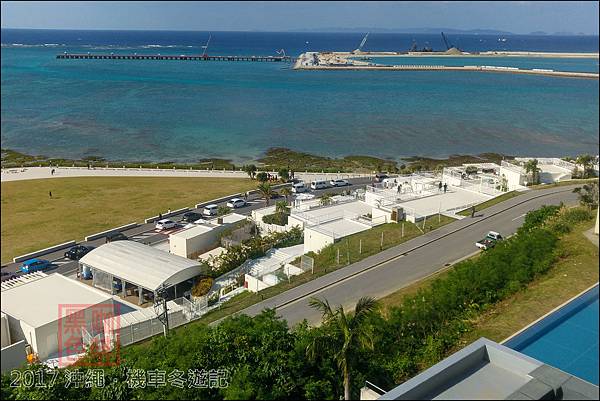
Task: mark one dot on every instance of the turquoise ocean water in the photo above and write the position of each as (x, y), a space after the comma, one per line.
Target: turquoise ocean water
(184, 111)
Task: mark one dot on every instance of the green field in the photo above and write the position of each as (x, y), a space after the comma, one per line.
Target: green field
(86, 205)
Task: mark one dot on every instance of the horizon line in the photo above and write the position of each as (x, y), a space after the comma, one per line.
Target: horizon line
(301, 30)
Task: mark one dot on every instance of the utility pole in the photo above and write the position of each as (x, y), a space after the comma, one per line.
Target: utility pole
(160, 307)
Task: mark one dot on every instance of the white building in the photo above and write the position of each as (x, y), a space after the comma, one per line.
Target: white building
(324, 225)
(130, 267)
(49, 313)
(202, 237)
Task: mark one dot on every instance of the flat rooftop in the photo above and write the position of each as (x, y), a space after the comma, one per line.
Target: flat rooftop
(324, 213)
(488, 370)
(37, 301)
(340, 228)
(449, 201)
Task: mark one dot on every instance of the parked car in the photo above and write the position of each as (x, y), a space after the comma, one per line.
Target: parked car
(489, 241)
(116, 236)
(380, 177)
(190, 217)
(165, 224)
(77, 252)
(8, 275)
(299, 187)
(319, 184)
(210, 210)
(339, 183)
(34, 265)
(236, 202)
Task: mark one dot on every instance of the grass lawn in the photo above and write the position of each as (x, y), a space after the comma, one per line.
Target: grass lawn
(326, 261)
(576, 270)
(491, 202)
(86, 205)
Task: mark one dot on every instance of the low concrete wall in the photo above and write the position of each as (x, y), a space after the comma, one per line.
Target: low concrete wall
(43, 251)
(112, 230)
(165, 215)
(13, 356)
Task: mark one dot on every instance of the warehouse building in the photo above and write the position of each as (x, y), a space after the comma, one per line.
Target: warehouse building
(48, 314)
(128, 267)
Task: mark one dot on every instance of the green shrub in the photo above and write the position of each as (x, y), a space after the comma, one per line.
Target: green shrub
(278, 218)
(202, 287)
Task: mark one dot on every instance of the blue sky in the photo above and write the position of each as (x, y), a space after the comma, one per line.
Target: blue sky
(515, 16)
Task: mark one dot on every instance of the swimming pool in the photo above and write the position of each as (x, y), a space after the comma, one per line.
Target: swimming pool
(566, 339)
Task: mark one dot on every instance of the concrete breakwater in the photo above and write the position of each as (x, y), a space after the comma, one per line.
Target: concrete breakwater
(349, 61)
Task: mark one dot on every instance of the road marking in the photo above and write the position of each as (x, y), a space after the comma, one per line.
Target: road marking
(518, 217)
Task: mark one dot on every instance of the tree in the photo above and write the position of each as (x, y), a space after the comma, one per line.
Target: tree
(281, 207)
(265, 191)
(223, 210)
(284, 174)
(531, 167)
(287, 192)
(585, 161)
(588, 194)
(325, 199)
(250, 169)
(262, 176)
(349, 334)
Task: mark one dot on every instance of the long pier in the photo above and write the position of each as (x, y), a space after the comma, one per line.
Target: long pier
(182, 57)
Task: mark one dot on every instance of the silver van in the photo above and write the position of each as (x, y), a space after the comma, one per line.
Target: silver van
(319, 185)
(299, 187)
(210, 210)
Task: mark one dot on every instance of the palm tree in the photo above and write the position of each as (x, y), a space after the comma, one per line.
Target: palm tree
(585, 161)
(325, 199)
(351, 333)
(287, 192)
(250, 170)
(281, 207)
(265, 191)
(531, 167)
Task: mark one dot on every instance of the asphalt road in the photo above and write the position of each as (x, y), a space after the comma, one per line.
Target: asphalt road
(147, 233)
(397, 267)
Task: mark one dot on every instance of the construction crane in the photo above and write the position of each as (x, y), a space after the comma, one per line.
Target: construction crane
(362, 44)
(205, 47)
(446, 41)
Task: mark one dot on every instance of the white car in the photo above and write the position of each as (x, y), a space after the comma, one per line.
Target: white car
(339, 183)
(210, 210)
(236, 202)
(165, 224)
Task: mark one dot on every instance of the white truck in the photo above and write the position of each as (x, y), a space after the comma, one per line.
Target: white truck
(489, 241)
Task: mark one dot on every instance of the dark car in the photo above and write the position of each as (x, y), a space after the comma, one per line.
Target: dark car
(116, 237)
(190, 217)
(380, 177)
(77, 252)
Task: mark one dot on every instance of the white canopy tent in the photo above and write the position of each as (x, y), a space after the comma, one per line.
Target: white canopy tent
(135, 263)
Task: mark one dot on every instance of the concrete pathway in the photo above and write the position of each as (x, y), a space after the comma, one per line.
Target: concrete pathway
(34, 173)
